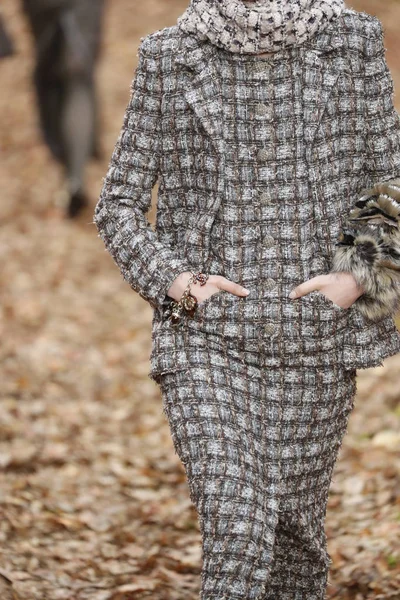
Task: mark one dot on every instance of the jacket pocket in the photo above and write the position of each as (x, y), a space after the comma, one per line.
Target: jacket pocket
(321, 326)
(234, 318)
(320, 311)
(329, 304)
(201, 306)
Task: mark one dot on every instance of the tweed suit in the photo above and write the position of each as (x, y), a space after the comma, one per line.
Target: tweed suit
(259, 162)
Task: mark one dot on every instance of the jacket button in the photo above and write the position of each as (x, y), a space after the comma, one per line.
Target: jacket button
(269, 284)
(268, 241)
(263, 110)
(262, 154)
(259, 66)
(265, 198)
(270, 329)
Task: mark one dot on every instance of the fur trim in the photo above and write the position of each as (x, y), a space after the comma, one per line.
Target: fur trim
(369, 248)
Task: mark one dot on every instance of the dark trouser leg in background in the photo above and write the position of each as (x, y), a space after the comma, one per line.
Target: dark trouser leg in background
(67, 35)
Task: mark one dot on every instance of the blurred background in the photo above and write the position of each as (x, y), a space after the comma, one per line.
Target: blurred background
(93, 499)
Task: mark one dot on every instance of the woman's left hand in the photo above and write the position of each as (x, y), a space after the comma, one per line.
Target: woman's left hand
(341, 288)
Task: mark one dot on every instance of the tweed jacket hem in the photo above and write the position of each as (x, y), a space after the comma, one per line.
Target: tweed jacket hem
(353, 344)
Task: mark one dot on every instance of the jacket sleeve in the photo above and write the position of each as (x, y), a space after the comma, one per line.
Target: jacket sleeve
(368, 245)
(120, 214)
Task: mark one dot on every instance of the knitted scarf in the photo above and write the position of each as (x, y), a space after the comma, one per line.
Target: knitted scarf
(255, 26)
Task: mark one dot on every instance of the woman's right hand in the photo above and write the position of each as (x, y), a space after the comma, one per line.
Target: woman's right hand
(213, 284)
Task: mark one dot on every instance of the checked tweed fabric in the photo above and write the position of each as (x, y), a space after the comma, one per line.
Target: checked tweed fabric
(257, 172)
(258, 445)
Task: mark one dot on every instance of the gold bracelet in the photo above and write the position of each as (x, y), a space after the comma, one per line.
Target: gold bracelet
(187, 303)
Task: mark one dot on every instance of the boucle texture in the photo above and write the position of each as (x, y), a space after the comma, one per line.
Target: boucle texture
(259, 445)
(334, 133)
(260, 25)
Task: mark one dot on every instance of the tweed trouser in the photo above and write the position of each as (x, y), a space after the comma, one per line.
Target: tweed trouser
(258, 445)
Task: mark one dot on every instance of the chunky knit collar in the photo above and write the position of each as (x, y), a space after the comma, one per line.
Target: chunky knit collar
(256, 26)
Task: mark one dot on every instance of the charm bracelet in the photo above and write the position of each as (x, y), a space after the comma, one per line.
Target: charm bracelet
(187, 304)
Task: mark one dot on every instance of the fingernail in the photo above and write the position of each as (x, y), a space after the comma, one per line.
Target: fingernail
(292, 294)
(246, 291)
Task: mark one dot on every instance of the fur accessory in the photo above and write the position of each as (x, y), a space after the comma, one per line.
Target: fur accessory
(369, 248)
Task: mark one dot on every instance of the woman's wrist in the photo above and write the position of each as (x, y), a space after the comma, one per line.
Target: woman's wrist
(179, 285)
(187, 303)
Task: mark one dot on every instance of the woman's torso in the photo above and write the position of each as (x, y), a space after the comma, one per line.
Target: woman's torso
(263, 234)
(268, 220)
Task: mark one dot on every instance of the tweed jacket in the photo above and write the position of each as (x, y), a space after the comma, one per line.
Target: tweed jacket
(173, 132)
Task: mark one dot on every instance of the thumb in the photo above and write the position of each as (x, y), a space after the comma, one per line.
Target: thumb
(306, 287)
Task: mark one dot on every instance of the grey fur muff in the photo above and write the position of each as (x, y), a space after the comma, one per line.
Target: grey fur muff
(369, 247)
(172, 131)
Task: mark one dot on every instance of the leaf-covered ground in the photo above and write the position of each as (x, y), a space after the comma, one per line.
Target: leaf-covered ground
(93, 499)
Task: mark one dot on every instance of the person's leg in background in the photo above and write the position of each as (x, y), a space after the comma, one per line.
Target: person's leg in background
(6, 43)
(67, 36)
(81, 30)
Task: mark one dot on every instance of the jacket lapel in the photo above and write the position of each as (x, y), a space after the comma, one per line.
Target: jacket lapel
(203, 89)
(320, 73)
